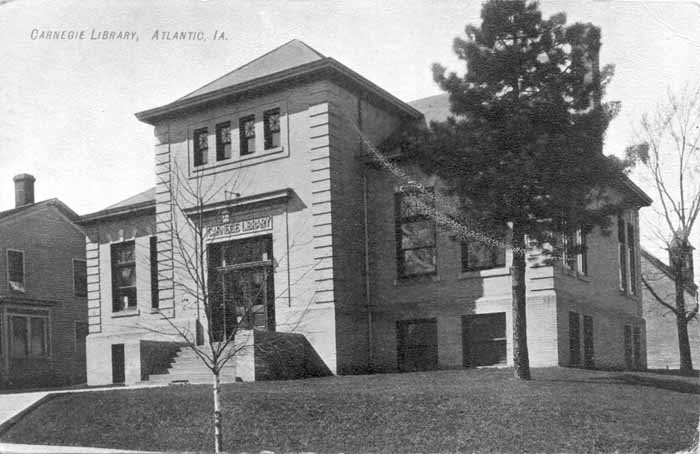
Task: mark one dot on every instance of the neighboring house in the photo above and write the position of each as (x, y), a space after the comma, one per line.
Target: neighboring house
(662, 333)
(43, 288)
(371, 284)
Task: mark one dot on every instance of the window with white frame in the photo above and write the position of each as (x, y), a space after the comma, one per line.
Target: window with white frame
(627, 253)
(575, 252)
(28, 336)
(415, 235)
(272, 128)
(123, 276)
(15, 270)
(223, 141)
(246, 128)
(200, 139)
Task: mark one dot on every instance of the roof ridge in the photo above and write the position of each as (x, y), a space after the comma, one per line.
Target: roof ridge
(251, 62)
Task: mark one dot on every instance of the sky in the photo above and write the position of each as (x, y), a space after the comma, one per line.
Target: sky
(67, 106)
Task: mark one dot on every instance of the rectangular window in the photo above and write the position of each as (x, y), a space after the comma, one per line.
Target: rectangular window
(574, 339)
(123, 276)
(622, 245)
(223, 141)
(81, 332)
(570, 250)
(484, 340)
(631, 260)
(79, 277)
(477, 255)
(575, 252)
(415, 236)
(628, 347)
(246, 127)
(272, 128)
(637, 347)
(416, 343)
(588, 352)
(29, 336)
(201, 146)
(154, 272)
(583, 254)
(15, 270)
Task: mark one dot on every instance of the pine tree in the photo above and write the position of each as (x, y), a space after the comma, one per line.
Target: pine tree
(523, 149)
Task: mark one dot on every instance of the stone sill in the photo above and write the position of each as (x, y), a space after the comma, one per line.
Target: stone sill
(126, 313)
(491, 272)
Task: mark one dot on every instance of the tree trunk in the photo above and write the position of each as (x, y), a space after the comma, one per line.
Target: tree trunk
(218, 439)
(521, 357)
(686, 360)
(678, 267)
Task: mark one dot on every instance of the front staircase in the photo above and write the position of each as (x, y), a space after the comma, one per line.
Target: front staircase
(187, 367)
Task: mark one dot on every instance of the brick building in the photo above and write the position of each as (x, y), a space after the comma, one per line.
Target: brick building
(370, 284)
(662, 333)
(43, 304)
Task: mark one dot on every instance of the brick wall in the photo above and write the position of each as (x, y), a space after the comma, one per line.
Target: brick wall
(662, 332)
(50, 242)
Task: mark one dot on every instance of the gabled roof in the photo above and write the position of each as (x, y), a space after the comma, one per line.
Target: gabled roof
(289, 55)
(149, 195)
(141, 203)
(434, 108)
(291, 63)
(661, 266)
(60, 206)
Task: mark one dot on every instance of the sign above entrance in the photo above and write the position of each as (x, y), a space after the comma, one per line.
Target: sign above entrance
(242, 227)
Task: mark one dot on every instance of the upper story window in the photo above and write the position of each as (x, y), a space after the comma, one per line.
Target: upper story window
(79, 278)
(415, 237)
(632, 258)
(272, 128)
(622, 252)
(627, 252)
(477, 255)
(201, 146)
(575, 253)
(15, 270)
(223, 141)
(246, 127)
(123, 276)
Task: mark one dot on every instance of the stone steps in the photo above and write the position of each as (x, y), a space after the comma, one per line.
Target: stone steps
(188, 367)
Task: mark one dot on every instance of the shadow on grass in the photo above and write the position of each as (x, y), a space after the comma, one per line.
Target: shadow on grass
(654, 382)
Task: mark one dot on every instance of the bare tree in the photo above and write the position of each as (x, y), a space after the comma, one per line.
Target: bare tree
(204, 290)
(669, 151)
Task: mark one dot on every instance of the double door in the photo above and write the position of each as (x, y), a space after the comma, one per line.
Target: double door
(241, 282)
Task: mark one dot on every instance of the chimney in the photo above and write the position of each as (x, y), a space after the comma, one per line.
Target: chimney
(24, 189)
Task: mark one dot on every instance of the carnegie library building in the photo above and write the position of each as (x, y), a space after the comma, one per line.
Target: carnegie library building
(276, 157)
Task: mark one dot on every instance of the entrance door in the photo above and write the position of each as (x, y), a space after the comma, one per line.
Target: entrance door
(117, 363)
(417, 345)
(241, 279)
(484, 339)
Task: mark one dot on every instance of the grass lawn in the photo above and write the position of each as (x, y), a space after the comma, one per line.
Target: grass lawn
(560, 410)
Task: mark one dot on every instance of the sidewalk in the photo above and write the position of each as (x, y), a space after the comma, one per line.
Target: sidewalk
(12, 448)
(14, 405)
